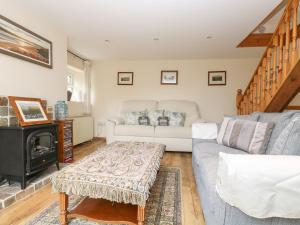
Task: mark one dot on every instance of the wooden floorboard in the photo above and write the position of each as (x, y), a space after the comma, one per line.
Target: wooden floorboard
(28, 208)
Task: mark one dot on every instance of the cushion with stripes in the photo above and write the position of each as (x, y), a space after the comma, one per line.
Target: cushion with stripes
(246, 135)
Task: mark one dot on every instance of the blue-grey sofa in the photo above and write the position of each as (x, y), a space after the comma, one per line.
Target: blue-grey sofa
(205, 163)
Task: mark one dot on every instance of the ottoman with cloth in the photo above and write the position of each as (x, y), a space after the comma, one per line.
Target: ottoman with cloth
(115, 180)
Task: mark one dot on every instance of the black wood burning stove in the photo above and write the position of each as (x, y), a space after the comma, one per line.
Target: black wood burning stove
(25, 151)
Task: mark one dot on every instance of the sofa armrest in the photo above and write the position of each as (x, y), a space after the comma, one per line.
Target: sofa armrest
(110, 128)
(204, 131)
(261, 186)
(116, 120)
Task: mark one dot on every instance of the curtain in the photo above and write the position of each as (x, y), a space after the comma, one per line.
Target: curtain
(87, 94)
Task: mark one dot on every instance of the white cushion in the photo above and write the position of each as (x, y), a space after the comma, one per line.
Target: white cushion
(261, 186)
(188, 107)
(137, 105)
(134, 130)
(204, 130)
(173, 132)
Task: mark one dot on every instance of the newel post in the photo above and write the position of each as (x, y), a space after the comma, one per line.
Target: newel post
(239, 96)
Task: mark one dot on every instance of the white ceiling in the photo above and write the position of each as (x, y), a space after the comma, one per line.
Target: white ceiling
(181, 26)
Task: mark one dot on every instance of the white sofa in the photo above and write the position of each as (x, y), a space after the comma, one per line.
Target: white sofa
(175, 138)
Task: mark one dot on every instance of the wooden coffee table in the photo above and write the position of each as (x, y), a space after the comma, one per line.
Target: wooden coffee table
(115, 181)
(104, 211)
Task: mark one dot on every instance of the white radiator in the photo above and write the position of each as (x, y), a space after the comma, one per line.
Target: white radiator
(83, 125)
(83, 129)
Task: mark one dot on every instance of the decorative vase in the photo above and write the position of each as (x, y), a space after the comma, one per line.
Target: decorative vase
(69, 95)
(61, 110)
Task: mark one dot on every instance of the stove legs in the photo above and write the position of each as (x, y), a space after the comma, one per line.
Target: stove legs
(64, 201)
(23, 183)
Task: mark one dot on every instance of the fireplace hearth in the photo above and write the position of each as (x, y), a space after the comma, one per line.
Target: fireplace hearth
(25, 151)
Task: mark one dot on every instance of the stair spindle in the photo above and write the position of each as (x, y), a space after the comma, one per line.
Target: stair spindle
(275, 74)
(287, 44)
(295, 31)
(264, 81)
(269, 75)
(254, 108)
(259, 82)
(281, 33)
(251, 96)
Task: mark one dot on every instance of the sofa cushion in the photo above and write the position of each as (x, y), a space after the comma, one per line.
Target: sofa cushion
(204, 149)
(252, 116)
(134, 130)
(188, 107)
(288, 142)
(176, 119)
(137, 105)
(154, 115)
(247, 135)
(281, 120)
(173, 132)
(132, 118)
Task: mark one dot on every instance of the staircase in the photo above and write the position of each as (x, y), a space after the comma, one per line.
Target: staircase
(276, 80)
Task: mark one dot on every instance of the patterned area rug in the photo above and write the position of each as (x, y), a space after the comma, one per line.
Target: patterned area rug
(163, 206)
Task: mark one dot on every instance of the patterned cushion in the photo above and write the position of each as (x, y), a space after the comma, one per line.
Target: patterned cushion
(154, 115)
(246, 135)
(132, 118)
(176, 119)
(144, 120)
(163, 121)
(288, 141)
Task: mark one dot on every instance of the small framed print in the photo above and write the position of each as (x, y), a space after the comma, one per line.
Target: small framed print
(125, 78)
(29, 111)
(169, 77)
(216, 78)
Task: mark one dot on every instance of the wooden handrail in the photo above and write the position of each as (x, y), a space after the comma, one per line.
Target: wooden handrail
(275, 66)
(293, 107)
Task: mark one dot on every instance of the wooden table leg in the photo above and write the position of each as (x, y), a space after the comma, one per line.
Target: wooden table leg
(141, 215)
(63, 201)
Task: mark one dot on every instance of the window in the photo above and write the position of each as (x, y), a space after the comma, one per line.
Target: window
(75, 84)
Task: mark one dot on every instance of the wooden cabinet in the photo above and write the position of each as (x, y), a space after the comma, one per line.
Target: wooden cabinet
(65, 140)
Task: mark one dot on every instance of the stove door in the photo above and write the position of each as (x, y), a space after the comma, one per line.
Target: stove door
(41, 150)
(41, 144)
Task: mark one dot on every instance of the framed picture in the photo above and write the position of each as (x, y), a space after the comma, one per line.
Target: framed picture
(125, 78)
(216, 78)
(29, 110)
(17, 41)
(169, 77)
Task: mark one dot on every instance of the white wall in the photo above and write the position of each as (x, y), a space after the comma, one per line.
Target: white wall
(296, 101)
(213, 101)
(22, 78)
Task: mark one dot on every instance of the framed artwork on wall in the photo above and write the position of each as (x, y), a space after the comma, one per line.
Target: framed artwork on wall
(216, 78)
(169, 77)
(19, 42)
(29, 111)
(125, 78)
